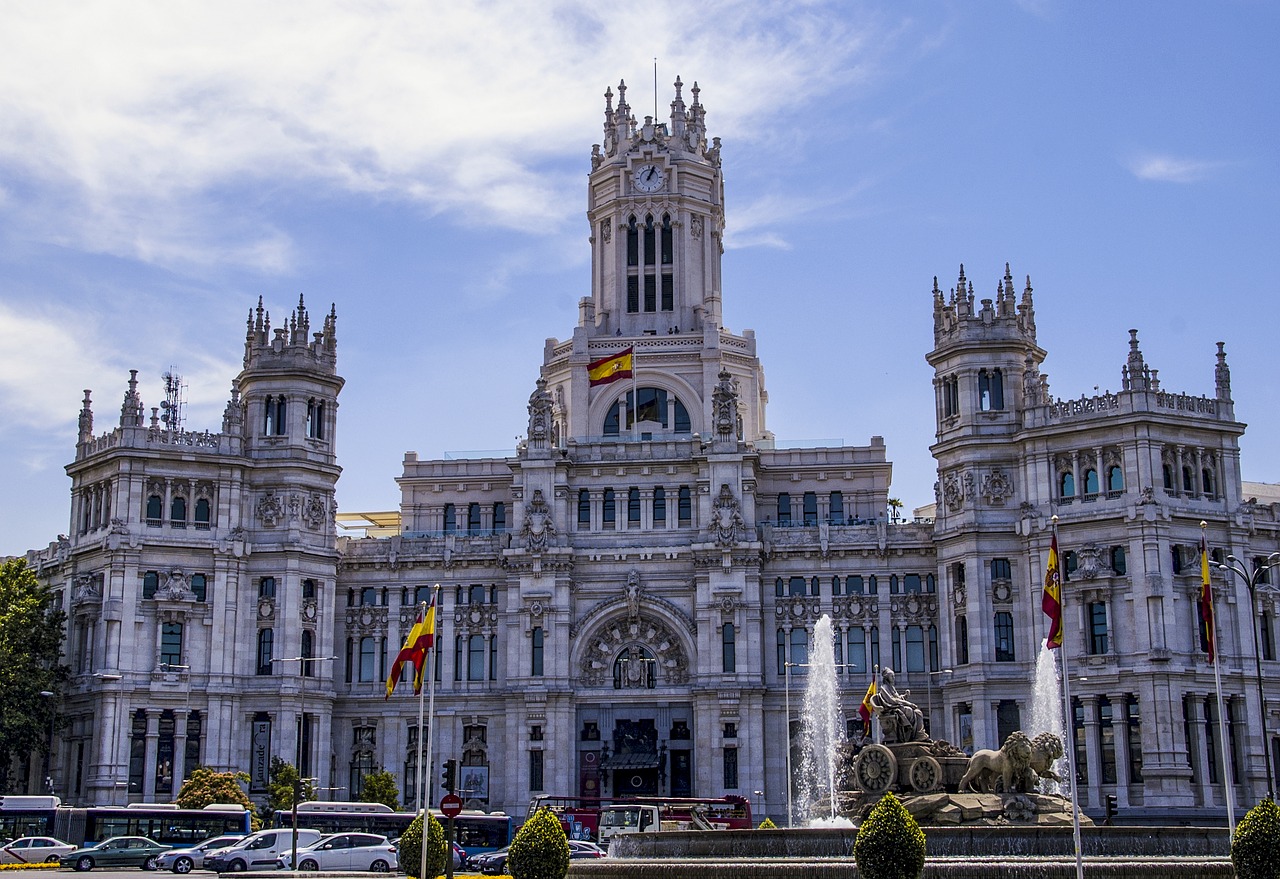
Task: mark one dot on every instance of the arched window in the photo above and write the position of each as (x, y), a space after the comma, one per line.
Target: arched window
(178, 513)
(308, 588)
(1066, 485)
(634, 669)
(203, 511)
(1167, 472)
(656, 406)
(368, 597)
(633, 266)
(1187, 484)
(633, 243)
(666, 240)
(779, 587)
(990, 390)
(368, 659)
(155, 509)
(1206, 480)
(269, 416)
(266, 640)
(1115, 478)
(1090, 481)
(315, 418)
(281, 422)
(729, 648)
(796, 586)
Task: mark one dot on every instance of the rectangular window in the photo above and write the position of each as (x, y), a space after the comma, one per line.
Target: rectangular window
(782, 652)
(810, 501)
(1106, 741)
(535, 771)
(1097, 628)
(610, 507)
(837, 508)
(855, 656)
(1004, 637)
(584, 509)
(784, 509)
(536, 667)
(668, 293)
(1118, 562)
(796, 586)
(650, 293)
(659, 505)
(633, 294)
(911, 584)
(450, 518)
(1001, 569)
(853, 585)
(730, 768)
(171, 644)
(685, 506)
(200, 586)
(499, 516)
(633, 506)
(915, 649)
(962, 640)
(875, 645)
(1134, 722)
(473, 518)
(1082, 762)
(150, 584)
(475, 658)
(267, 587)
(729, 648)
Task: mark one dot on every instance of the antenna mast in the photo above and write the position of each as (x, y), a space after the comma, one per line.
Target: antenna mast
(173, 405)
(655, 89)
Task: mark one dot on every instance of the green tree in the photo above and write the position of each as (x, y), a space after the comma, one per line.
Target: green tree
(380, 787)
(410, 847)
(540, 849)
(1255, 848)
(205, 786)
(282, 776)
(890, 844)
(30, 663)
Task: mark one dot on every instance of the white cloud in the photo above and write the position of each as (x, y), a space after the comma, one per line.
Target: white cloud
(1171, 169)
(124, 117)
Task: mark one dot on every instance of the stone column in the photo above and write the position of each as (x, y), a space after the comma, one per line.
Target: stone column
(149, 754)
(1198, 748)
(181, 717)
(1120, 738)
(1092, 749)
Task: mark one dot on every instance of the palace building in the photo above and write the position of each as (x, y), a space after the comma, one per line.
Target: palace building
(627, 598)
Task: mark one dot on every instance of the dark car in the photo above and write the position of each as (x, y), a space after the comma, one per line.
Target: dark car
(119, 851)
(492, 863)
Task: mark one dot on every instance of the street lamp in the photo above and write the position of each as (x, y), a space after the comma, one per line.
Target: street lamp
(1252, 580)
(48, 754)
(302, 727)
(786, 668)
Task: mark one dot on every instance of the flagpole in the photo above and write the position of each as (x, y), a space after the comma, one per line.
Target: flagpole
(635, 393)
(1070, 716)
(422, 612)
(1227, 786)
(430, 671)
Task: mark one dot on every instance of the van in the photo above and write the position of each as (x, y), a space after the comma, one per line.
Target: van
(258, 851)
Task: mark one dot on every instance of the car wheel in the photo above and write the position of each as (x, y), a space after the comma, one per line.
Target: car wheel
(149, 863)
(237, 866)
(308, 864)
(183, 865)
(52, 859)
(379, 867)
(84, 864)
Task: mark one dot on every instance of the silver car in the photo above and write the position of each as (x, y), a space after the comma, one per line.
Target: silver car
(184, 860)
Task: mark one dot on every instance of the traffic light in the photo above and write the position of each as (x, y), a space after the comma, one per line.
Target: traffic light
(1112, 808)
(449, 777)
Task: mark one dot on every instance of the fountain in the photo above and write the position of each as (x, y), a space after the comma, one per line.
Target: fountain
(822, 728)
(1046, 713)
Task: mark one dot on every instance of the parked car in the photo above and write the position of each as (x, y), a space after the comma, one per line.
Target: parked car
(579, 849)
(492, 863)
(258, 851)
(118, 851)
(34, 850)
(459, 857)
(345, 851)
(184, 860)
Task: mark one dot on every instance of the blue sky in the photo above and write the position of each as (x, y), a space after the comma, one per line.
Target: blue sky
(423, 166)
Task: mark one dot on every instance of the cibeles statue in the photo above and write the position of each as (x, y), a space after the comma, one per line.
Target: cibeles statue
(901, 720)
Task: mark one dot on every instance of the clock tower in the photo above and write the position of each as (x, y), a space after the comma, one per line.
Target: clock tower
(655, 204)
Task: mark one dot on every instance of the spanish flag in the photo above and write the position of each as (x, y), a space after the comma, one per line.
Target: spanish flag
(415, 649)
(610, 369)
(1051, 603)
(1206, 604)
(864, 710)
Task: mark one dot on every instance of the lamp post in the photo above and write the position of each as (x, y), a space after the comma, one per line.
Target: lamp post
(1253, 579)
(48, 754)
(302, 728)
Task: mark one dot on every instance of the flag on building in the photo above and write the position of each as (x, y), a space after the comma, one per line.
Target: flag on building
(415, 648)
(1206, 604)
(1051, 603)
(610, 369)
(864, 710)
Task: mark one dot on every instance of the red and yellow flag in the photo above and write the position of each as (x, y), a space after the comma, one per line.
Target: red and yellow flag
(415, 649)
(1051, 603)
(864, 710)
(610, 369)
(1206, 604)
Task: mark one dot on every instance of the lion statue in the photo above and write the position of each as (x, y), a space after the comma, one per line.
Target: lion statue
(1010, 765)
(1046, 749)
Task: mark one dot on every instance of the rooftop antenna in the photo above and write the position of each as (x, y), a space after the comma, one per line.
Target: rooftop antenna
(173, 404)
(655, 88)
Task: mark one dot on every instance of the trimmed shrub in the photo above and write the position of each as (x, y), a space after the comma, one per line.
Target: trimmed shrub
(409, 850)
(540, 849)
(767, 824)
(1255, 848)
(890, 844)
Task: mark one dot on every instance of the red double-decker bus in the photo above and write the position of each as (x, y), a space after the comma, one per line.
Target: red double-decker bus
(581, 815)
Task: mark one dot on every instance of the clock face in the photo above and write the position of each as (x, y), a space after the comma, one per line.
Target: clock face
(649, 178)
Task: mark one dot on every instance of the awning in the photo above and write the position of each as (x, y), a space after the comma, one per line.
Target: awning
(630, 761)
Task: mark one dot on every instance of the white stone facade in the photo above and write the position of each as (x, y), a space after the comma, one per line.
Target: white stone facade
(620, 594)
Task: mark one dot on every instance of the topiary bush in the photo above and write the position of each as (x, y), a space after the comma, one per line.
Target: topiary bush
(767, 824)
(890, 844)
(1255, 848)
(540, 850)
(409, 849)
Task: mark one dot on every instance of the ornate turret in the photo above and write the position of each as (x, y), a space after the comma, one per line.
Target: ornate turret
(131, 409)
(955, 319)
(86, 418)
(294, 342)
(1221, 375)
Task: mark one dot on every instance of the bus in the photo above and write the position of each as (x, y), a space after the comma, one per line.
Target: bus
(581, 815)
(475, 831)
(163, 822)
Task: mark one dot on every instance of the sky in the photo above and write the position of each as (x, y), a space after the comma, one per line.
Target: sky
(422, 166)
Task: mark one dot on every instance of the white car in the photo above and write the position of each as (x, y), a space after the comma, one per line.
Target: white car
(366, 852)
(184, 860)
(34, 850)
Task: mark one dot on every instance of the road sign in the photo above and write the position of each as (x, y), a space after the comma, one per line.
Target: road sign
(451, 805)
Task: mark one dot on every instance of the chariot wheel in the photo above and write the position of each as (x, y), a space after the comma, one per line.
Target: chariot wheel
(877, 769)
(925, 775)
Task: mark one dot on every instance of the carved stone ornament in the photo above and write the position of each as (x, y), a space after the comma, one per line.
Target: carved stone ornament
(953, 491)
(1002, 591)
(310, 609)
(726, 519)
(315, 512)
(997, 487)
(85, 588)
(175, 587)
(695, 226)
(538, 528)
(540, 416)
(606, 230)
(270, 509)
(633, 595)
(1088, 562)
(958, 596)
(634, 638)
(724, 403)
